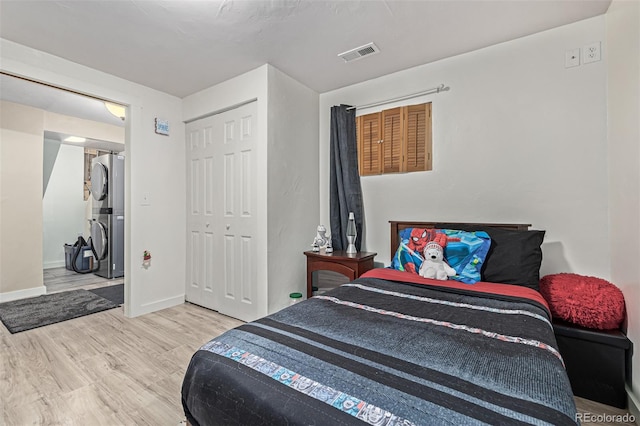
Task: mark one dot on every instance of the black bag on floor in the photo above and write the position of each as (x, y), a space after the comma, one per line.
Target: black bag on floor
(80, 257)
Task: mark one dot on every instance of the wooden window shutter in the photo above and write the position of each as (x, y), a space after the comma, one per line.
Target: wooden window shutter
(418, 138)
(395, 140)
(369, 152)
(392, 140)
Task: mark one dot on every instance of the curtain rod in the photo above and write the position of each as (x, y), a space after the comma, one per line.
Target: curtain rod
(438, 89)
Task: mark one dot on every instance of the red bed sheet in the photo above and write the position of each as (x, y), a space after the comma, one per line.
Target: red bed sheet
(480, 287)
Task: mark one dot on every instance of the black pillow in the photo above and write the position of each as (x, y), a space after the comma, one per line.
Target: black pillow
(514, 256)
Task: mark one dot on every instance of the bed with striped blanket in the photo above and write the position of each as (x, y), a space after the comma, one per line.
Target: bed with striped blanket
(390, 348)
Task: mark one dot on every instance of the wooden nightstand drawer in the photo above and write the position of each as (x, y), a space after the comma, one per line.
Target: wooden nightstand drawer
(349, 265)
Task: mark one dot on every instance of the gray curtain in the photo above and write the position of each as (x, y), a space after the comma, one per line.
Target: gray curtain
(344, 185)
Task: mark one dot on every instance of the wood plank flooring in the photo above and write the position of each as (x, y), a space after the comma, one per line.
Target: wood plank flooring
(61, 279)
(593, 408)
(106, 369)
(103, 369)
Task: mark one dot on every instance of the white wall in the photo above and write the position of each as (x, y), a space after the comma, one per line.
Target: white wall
(623, 45)
(63, 205)
(292, 184)
(155, 165)
(65, 124)
(21, 136)
(517, 138)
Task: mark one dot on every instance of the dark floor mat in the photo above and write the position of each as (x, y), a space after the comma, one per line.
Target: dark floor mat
(114, 293)
(26, 314)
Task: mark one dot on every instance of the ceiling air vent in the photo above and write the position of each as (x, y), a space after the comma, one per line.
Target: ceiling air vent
(359, 52)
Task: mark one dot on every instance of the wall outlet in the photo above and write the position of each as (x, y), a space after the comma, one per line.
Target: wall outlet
(572, 58)
(591, 53)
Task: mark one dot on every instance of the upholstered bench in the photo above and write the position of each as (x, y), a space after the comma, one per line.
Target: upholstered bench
(598, 362)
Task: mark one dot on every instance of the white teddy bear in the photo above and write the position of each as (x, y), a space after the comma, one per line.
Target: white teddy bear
(434, 265)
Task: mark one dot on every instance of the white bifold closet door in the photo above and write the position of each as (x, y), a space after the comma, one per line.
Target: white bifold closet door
(221, 198)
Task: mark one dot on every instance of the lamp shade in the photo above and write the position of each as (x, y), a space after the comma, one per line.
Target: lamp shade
(117, 110)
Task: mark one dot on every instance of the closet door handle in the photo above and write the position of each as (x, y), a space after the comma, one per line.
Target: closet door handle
(228, 226)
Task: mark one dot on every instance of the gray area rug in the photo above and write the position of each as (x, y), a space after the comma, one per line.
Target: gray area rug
(26, 314)
(115, 293)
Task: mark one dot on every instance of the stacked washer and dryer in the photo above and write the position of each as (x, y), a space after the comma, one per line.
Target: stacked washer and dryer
(107, 224)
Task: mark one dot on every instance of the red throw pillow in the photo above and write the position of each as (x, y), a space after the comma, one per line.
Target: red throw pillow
(586, 301)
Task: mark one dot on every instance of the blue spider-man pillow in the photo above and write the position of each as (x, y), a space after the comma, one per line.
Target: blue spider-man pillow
(464, 251)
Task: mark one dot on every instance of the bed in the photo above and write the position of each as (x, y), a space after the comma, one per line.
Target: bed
(393, 348)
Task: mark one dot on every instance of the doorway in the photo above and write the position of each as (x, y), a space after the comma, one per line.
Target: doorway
(72, 224)
(76, 129)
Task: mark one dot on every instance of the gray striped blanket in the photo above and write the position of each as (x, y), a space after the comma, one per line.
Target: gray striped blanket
(385, 353)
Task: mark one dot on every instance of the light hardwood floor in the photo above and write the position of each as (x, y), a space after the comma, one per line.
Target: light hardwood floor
(593, 408)
(61, 279)
(103, 369)
(106, 369)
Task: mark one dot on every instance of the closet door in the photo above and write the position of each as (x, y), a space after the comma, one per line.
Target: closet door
(201, 182)
(222, 221)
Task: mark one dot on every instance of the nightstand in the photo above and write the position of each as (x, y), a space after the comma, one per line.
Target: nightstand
(349, 265)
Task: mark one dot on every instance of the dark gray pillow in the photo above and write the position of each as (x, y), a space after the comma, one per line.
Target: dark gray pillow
(514, 256)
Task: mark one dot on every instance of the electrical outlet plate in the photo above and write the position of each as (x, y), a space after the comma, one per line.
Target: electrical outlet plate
(591, 53)
(572, 58)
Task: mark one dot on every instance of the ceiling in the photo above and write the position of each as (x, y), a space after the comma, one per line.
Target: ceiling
(183, 46)
(60, 101)
(17, 90)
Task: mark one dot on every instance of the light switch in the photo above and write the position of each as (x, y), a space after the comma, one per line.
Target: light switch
(146, 199)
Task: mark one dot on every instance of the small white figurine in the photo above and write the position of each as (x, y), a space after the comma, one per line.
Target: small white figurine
(322, 240)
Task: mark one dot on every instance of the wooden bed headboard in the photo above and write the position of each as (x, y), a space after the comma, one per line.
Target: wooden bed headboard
(397, 226)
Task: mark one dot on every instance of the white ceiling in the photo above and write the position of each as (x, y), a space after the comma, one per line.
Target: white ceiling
(49, 98)
(60, 101)
(183, 46)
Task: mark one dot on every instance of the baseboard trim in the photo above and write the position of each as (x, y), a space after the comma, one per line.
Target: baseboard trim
(54, 264)
(633, 404)
(147, 308)
(22, 294)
